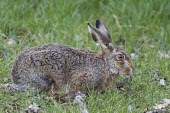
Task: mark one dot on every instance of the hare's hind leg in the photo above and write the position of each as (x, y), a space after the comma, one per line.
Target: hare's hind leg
(34, 79)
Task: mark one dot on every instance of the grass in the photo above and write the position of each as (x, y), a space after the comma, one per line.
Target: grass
(145, 27)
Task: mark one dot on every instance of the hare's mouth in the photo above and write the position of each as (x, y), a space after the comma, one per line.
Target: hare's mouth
(127, 73)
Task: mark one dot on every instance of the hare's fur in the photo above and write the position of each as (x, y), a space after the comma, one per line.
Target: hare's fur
(57, 65)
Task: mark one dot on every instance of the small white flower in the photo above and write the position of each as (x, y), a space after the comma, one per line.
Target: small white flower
(162, 82)
(130, 108)
(134, 56)
(163, 54)
(33, 108)
(10, 41)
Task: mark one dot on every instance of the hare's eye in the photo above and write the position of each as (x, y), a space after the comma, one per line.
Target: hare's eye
(120, 57)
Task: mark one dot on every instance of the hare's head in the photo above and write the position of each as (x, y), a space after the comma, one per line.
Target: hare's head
(117, 59)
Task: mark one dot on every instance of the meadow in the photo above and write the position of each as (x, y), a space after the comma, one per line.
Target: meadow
(141, 27)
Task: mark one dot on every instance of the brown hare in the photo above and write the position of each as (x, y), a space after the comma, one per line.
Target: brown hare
(53, 66)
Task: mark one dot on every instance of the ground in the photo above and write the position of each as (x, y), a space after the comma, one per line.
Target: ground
(141, 27)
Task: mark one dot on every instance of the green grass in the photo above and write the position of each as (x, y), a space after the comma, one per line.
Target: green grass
(144, 23)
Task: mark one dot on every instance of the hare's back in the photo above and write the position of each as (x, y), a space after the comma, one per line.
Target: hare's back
(49, 59)
(41, 56)
(46, 58)
(48, 47)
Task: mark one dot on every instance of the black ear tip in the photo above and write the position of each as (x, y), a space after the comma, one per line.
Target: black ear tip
(89, 24)
(97, 20)
(97, 23)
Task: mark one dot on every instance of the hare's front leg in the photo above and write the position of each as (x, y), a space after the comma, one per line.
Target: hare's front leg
(57, 85)
(84, 82)
(54, 91)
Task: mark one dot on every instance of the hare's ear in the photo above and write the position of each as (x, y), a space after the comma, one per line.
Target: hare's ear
(103, 29)
(100, 34)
